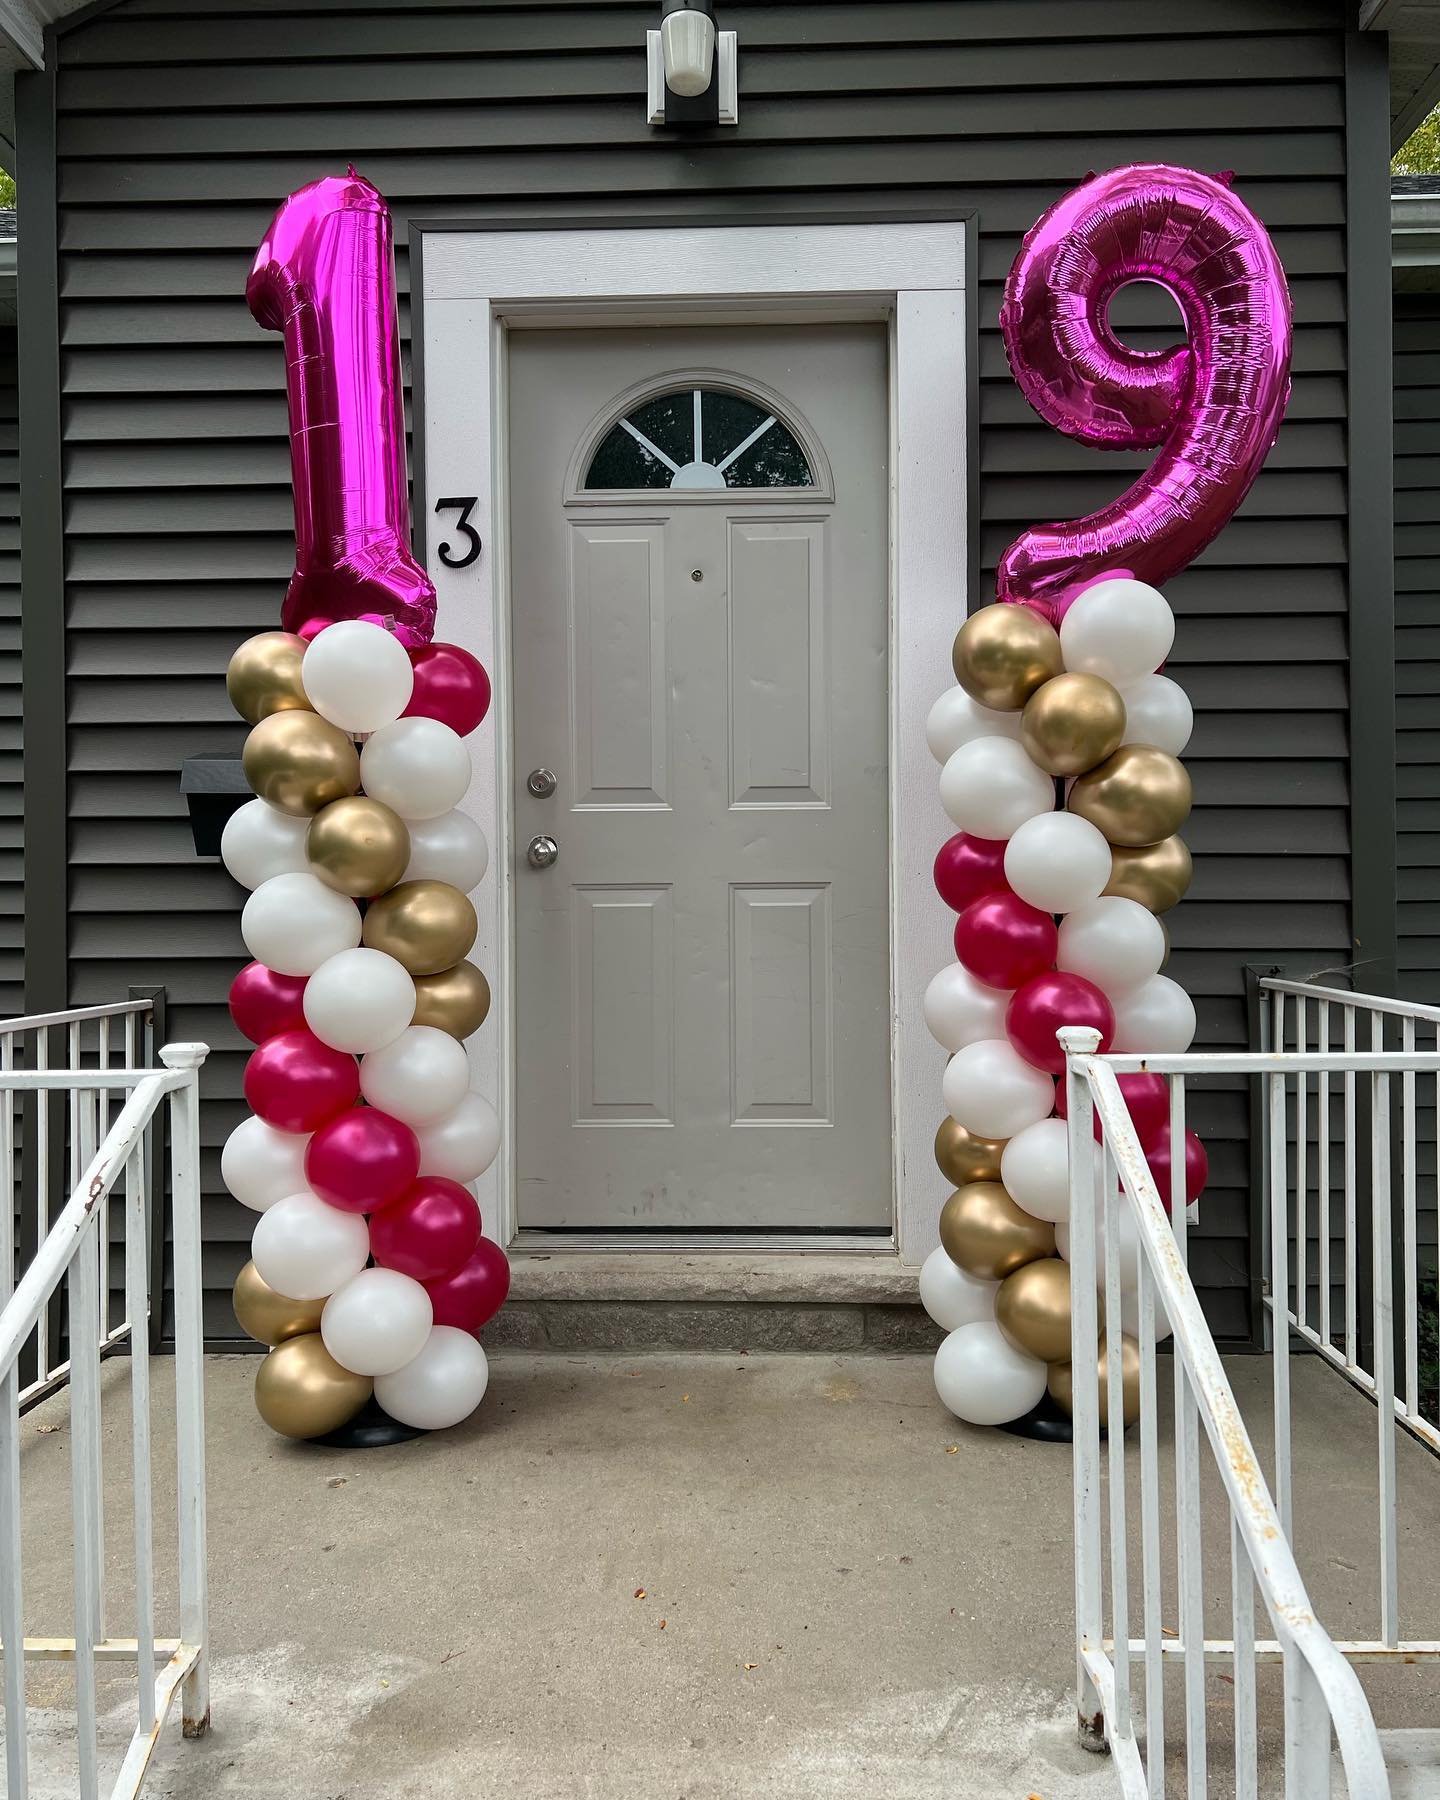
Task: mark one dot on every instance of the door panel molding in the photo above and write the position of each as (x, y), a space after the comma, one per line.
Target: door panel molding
(475, 287)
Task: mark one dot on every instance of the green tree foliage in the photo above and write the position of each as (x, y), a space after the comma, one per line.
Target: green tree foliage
(7, 189)
(1420, 153)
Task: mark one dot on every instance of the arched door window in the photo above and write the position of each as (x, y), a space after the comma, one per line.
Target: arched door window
(699, 437)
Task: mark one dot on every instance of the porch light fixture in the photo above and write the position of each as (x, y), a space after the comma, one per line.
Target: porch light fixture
(691, 67)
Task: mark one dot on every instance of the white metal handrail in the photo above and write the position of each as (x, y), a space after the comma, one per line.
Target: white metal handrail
(1309, 1018)
(74, 1249)
(55, 1136)
(1114, 1198)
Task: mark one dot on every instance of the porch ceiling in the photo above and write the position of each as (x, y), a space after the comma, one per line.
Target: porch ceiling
(1414, 28)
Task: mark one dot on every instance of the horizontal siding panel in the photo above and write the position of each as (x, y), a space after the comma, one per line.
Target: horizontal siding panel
(183, 122)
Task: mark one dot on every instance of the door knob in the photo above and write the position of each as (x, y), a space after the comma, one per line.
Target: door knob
(540, 852)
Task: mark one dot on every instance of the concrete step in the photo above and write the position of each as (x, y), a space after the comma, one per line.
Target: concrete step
(660, 1300)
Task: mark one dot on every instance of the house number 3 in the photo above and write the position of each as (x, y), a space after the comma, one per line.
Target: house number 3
(462, 505)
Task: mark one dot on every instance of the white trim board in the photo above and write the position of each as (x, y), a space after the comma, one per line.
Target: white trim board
(479, 285)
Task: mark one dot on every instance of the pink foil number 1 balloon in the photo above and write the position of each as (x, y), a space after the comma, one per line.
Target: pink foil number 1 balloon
(324, 275)
(1213, 405)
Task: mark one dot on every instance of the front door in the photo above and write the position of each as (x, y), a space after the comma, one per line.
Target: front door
(699, 628)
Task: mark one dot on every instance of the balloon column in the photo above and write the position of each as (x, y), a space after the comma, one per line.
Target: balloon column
(369, 1273)
(1060, 752)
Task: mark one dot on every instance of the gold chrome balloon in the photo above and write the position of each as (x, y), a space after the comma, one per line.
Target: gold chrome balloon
(1032, 1309)
(963, 1157)
(302, 1392)
(298, 762)
(357, 846)
(1137, 796)
(1072, 723)
(269, 1317)
(264, 676)
(986, 1234)
(1003, 653)
(1062, 1389)
(427, 925)
(456, 1000)
(1157, 875)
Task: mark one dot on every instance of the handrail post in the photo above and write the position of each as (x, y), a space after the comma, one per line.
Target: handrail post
(1077, 1042)
(189, 1380)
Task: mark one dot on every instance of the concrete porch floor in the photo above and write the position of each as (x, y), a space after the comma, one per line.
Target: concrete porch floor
(844, 1591)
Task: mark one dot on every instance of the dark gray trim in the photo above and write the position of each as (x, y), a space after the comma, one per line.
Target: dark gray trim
(42, 549)
(1371, 513)
(975, 595)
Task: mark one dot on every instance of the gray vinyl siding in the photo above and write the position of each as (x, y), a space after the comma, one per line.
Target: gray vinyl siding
(12, 973)
(181, 125)
(1417, 643)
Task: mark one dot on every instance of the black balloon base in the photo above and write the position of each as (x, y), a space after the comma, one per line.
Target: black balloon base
(372, 1428)
(1047, 1423)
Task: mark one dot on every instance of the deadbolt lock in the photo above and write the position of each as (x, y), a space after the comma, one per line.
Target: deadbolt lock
(541, 783)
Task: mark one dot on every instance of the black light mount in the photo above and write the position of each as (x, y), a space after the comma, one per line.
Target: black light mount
(692, 73)
(214, 786)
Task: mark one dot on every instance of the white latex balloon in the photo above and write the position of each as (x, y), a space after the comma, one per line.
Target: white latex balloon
(983, 1379)
(1158, 712)
(956, 719)
(1035, 1170)
(959, 1009)
(259, 842)
(951, 1296)
(1119, 629)
(1114, 942)
(359, 1000)
(1130, 1315)
(377, 1322)
(1128, 1258)
(418, 767)
(293, 923)
(1158, 1015)
(990, 787)
(463, 1144)
(357, 675)
(305, 1249)
(451, 848)
(439, 1387)
(1057, 861)
(991, 1089)
(261, 1165)
(419, 1077)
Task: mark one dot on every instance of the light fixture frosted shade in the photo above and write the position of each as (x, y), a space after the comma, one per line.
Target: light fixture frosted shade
(687, 39)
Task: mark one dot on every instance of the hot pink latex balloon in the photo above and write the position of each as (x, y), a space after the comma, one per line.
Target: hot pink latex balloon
(263, 1002)
(967, 867)
(450, 685)
(1197, 1165)
(1045, 1003)
(470, 1296)
(1147, 1098)
(324, 275)
(362, 1160)
(432, 1228)
(295, 1083)
(1003, 940)
(1212, 405)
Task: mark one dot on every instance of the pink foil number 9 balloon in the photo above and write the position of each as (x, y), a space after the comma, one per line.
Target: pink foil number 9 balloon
(324, 275)
(1213, 405)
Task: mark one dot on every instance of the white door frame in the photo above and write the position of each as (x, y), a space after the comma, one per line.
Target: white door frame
(477, 285)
